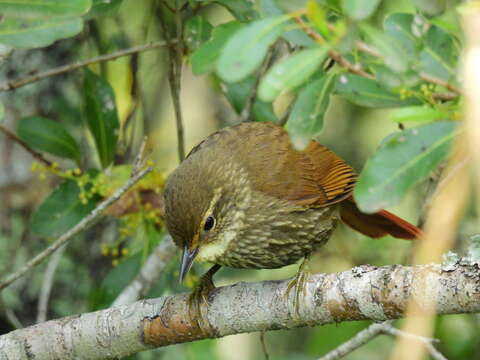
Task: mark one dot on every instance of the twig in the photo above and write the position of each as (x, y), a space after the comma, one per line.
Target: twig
(355, 342)
(427, 342)
(175, 75)
(83, 224)
(47, 285)
(434, 80)
(283, 120)
(149, 273)
(371, 332)
(368, 49)
(23, 144)
(335, 55)
(12, 317)
(13, 84)
(247, 109)
(138, 162)
(264, 345)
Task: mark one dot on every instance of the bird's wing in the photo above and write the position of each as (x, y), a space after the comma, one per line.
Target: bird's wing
(313, 177)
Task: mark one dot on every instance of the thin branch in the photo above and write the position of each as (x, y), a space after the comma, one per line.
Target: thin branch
(149, 273)
(247, 109)
(370, 50)
(23, 144)
(83, 224)
(360, 339)
(434, 80)
(427, 342)
(175, 75)
(139, 159)
(47, 283)
(335, 55)
(13, 84)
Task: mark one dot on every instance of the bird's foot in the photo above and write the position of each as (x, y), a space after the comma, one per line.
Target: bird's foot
(298, 284)
(199, 297)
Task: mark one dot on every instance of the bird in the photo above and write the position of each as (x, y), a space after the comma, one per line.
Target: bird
(245, 197)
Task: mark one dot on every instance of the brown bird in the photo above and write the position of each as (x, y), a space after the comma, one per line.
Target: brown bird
(246, 198)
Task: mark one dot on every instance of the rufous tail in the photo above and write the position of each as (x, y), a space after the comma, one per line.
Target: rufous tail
(378, 224)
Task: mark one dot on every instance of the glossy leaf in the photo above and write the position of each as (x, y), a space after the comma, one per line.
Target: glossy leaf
(48, 135)
(308, 112)
(44, 8)
(197, 31)
(32, 33)
(60, 211)
(439, 55)
(399, 27)
(243, 10)
(269, 8)
(416, 114)
(204, 59)
(431, 7)
(393, 55)
(290, 73)
(246, 49)
(369, 93)
(103, 7)
(403, 159)
(359, 10)
(238, 94)
(101, 116)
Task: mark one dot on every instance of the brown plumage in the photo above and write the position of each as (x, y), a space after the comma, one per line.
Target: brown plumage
(245, 198)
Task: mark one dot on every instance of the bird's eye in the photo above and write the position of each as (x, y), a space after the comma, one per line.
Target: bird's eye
(209, 223)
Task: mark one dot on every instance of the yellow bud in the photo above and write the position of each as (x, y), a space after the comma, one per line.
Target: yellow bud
(77, 171)
(114, 252)
(125, 251)
(115, 262)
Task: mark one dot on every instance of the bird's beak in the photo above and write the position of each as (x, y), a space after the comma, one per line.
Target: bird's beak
(187, 261)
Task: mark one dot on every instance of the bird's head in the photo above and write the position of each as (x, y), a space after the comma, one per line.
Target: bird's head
(201, 211)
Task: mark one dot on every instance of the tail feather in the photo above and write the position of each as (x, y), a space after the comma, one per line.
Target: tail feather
(378, 224)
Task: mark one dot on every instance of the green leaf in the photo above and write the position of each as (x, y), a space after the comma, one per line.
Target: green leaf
(269, 8)
(2, 112)
(359, 10)
(246, 49)
(308, 112)
(103, 7)
(402, 160)
(290, 73)
(417, 114)
(60, 211)
(399, 27)
(48, 135)
(243, 10)
(32, 33)
(439, 55)
(238, 95)
(393, 80)
(431, 7)
(197, 31)
(393, 55)
(44, 8)
(204, 59)
(101, 115)
(369, 93)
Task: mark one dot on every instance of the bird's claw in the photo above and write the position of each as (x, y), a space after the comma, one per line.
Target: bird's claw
(199, 297)
(298, 283)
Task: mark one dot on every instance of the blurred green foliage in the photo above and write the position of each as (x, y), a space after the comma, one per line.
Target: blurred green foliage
(398, 55)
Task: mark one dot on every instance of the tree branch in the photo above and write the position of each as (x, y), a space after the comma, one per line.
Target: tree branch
(365, 292)
(23, 144)
(13, 84)
(83, 224)
(148, 274)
